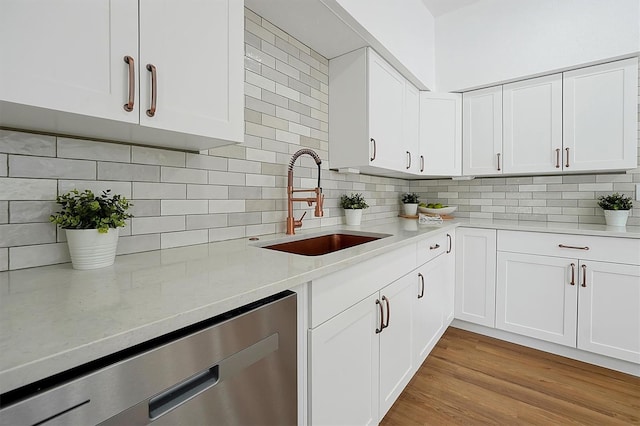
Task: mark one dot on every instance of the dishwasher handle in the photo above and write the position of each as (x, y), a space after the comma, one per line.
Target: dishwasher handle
(183, 392)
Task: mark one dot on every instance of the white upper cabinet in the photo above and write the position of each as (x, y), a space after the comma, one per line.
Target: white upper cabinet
(532, 125)
(440, 134)
(482, 132)
(373, 116)
(601, 116)
(69, 55)
(85, 69)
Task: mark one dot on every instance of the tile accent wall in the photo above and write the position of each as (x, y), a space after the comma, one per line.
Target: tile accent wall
(567, 198)
(184, 198)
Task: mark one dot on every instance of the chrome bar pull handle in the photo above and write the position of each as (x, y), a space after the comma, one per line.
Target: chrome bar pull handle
(557, 158)
(386, 302)
(421, 163)
(373, 156)
(450, 243)
(409, 158)
(379, 330)
(573, 247)
(573, 274)
(132, 83)
(498, 154)
(584, 275)
(567, 163)
(154, 89)
(421, 295)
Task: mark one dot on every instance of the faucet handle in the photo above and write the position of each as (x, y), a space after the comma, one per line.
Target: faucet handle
(298, 223)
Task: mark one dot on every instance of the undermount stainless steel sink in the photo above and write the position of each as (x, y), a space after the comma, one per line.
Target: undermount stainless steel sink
(324, 244)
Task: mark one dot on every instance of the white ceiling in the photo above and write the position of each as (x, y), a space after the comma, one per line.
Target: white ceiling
(440, 7)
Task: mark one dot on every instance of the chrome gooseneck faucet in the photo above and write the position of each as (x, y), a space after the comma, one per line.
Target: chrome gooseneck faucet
(292, 223)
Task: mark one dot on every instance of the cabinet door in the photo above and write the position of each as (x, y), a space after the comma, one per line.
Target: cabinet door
(532, 125)
(609, 310)
(482, 132)
(197, 49)
(396, 350)
(475, 276)
(386, 103)
(600, 116)
(69, 55)
(429, 299)
(441, 134)
(344, 367)
(411, 131)
(536, 296)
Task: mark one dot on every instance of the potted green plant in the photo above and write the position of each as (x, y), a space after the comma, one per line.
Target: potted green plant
(91, 223)
(353, 205)
(410, 201)
(616, 208)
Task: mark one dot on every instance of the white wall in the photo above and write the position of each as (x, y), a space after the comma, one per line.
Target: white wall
(498, 40)
(404, 27)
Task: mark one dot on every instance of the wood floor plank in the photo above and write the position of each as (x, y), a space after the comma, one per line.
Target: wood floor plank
(469, 379)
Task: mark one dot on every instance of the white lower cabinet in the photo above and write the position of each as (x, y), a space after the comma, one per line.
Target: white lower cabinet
(429, 306)
(475, 275)
(343, 367)
(580, 302)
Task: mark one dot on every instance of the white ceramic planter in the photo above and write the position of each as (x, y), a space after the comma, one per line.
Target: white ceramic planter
(616, 217)
(410, 209)
(354, 216)
(90, 249)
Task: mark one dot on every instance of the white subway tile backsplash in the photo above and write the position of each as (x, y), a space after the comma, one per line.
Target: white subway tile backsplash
(138, 243)
(228, 233)
(207, 192)
(25, 234)
(183, 207)
(226, 178)
(150, 191)
(184, 238)
(206, 221)
(4, 212)
(4, 170)
(4, 259)
(142, 208)
(13, 142)
(243, 166)
(27, 189)
(155, 225)
(182, 175)
(226, 206)
(31, 211)
(156, 156)
(96, 186)
(130, 172)
(38, 255)
(46, 167)
(91, 150)
(260, 180)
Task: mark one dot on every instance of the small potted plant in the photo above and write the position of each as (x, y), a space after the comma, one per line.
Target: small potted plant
(91, 223)
(616, 208)
(353, 205)
(410, 201)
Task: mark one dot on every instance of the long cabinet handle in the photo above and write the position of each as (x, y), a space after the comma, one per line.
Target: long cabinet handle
(450, 243)
(386, 302)
(379, 330)
(154, 90)
(573, 274)
(584, 275)
(567, 163)
(409, 158)
(557, 158)
(132, 83)
(498, 155)
(421, 295)
(421, 163)
(573, 247)
(373, 156)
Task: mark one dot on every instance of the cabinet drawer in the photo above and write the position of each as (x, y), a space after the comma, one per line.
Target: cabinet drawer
(605, 249)
(432, 247)
(336, 292)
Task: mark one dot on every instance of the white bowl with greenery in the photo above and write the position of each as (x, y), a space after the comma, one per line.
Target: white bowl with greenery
(91, 224)
(616, 208)
(353, 205)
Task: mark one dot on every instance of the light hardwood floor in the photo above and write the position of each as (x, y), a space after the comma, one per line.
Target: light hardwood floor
(469, 379)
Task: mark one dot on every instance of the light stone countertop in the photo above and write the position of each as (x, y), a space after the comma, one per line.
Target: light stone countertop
(54, 318)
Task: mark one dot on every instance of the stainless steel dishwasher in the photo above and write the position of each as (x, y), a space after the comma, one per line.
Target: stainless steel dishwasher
(238, 368)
